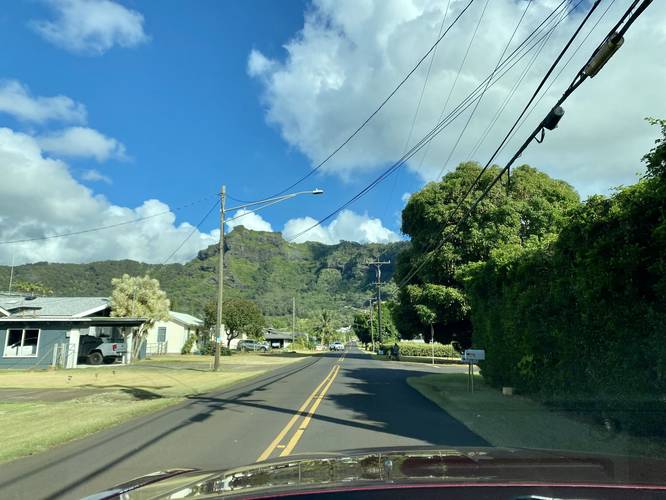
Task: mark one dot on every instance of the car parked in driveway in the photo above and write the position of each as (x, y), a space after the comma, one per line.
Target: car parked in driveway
(252, 345)
(103, 349)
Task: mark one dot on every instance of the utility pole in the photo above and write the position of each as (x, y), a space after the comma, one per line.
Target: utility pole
(378, 272)
(372, 331)
(293, 320)
(220, 283)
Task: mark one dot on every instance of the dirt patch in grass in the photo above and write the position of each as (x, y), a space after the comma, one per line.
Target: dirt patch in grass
(515, 421)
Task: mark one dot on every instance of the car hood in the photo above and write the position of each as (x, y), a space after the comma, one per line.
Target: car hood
(387, 468)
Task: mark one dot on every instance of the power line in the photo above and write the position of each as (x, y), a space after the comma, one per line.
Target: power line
(455, 82)
(418, 106)
(507, 99)
(534, 94)
(379, 108)
(194, 230)
(609, 45)
(573, 54)
(101, 228)
(468, 101)
(478, 101)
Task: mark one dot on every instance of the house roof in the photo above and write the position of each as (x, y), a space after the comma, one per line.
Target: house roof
(275, 335)
(185, 319)
(62, 319)
(70, 307)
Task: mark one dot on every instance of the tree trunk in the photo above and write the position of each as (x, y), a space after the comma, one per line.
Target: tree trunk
(137, 339)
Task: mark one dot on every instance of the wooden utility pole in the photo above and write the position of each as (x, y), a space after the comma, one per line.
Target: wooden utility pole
(372, 331)
(378, 272)
(293, 320)
(220, 283)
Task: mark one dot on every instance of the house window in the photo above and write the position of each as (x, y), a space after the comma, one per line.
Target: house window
(21, 343)
(161, 334)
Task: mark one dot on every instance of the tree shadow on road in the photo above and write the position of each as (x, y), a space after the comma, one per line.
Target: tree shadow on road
(382, 395)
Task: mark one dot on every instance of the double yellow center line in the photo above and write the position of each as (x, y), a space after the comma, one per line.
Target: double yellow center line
(313, 401)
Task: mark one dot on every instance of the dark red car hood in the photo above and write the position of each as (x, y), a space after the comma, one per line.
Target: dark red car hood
(394, 468)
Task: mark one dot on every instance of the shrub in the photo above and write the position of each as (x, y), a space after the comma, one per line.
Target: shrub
(209, 350)
(187, 346)
(419, 349)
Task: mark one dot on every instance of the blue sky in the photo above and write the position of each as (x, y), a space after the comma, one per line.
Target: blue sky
(184, 96)
(183, 105)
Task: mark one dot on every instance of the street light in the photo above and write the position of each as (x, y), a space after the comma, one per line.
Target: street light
(220, 286)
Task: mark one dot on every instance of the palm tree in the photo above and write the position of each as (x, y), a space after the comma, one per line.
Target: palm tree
(324, 327)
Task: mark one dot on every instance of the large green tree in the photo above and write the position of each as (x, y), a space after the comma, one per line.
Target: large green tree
(139, 297)
(241, 316)
(534, 207)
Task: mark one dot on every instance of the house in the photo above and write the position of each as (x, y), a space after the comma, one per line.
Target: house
(278, 339)
(37, 332)
(168, 337)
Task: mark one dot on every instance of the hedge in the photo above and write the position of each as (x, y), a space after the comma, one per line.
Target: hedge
(580, 320)
(419, 349)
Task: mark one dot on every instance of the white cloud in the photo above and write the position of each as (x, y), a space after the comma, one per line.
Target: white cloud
(249, 220)
(39, 197)
(93, 175)
(91, 26)
(258, 64)
(82, 142)
(351, 54)
(348, 226)
(405, 197)
(15, 99)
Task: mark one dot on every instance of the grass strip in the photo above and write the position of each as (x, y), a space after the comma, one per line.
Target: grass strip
(517, 421)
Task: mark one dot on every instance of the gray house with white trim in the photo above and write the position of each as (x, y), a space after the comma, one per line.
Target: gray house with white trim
(35, 330)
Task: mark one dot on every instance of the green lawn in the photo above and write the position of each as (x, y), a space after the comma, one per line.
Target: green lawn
(515, 421)
(124, 392)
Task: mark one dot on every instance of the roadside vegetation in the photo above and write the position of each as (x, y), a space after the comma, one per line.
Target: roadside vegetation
(568, 299)
(579, 319)
(516, 421)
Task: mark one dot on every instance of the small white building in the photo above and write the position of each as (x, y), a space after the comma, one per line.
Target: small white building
(168, 337)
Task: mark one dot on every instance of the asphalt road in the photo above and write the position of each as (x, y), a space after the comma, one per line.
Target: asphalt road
(327, 403)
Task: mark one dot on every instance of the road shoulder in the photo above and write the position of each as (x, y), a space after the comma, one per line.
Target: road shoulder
(515, 421)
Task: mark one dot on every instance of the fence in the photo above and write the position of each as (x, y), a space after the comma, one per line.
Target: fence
(64, 355)
(156, 348)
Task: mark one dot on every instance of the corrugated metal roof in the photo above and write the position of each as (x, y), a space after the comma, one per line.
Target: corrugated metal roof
(186, 319)
(18, 305)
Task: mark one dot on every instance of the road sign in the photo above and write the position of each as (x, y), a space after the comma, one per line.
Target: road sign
(473, 356)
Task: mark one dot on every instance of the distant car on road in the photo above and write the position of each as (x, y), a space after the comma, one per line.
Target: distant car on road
(252, 345)
(337, 346)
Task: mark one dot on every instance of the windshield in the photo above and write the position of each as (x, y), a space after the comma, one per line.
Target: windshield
(250, 231)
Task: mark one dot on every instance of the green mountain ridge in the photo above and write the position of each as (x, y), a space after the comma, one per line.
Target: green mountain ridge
(258, 265)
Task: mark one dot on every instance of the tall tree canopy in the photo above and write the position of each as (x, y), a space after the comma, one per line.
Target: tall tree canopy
(241, 316)
(534, 207)
(139, 297)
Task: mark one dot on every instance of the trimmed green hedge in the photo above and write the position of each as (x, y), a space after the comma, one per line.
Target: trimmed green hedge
(580, 320)
(419, 349)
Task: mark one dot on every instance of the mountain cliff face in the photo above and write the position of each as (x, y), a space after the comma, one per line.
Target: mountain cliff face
(260, 266)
